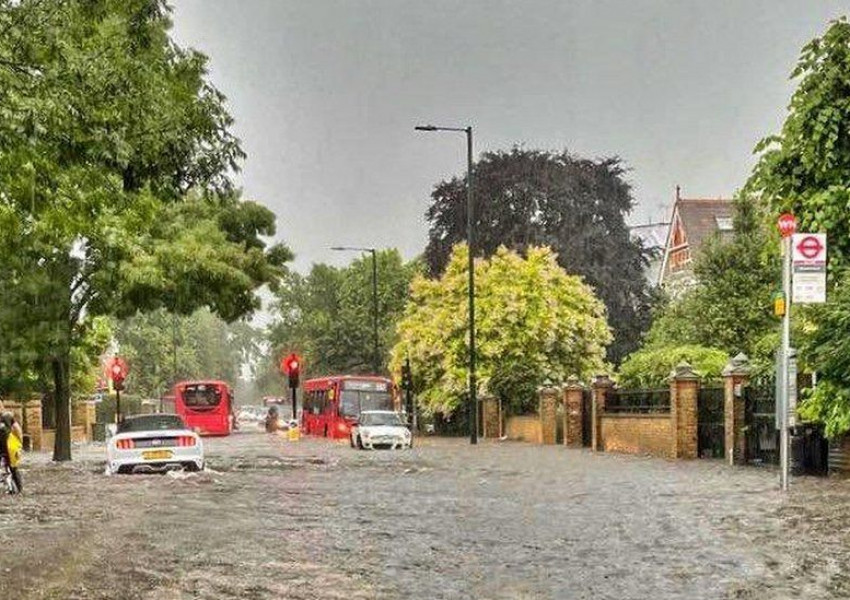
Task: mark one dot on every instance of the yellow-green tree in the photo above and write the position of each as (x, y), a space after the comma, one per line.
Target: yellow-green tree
(534, 323)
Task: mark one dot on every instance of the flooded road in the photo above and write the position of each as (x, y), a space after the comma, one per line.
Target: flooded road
(313, 519)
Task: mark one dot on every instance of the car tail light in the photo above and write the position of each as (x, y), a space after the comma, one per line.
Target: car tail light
(186, 440)
(125, 444)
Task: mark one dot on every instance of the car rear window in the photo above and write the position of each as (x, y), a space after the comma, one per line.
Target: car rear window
(379, 419)
(151, 423)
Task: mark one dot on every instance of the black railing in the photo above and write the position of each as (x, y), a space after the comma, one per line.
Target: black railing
(762, 437)
(711, 422)
(586, 418)
(638, 401)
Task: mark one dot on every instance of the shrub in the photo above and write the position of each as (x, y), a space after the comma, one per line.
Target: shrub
(650, 367)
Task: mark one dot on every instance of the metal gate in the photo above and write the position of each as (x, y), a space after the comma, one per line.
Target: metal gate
(711, 423)
(586, 417)
(762, 437)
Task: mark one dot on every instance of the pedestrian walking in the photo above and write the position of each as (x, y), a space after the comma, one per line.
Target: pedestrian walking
(11, 445)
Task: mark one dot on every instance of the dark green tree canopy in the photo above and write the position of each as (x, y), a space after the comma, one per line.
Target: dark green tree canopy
(575, 206)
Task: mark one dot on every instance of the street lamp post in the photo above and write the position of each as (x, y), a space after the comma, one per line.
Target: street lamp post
(376, 355)
(473, 400)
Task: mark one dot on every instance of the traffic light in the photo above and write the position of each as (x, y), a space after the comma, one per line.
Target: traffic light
(117, 371)
(291, 365)
(406, 376)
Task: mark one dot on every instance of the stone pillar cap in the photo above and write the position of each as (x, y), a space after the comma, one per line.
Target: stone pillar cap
(547, 389)
(684, 372)
(739, 365)
(602, 380)
(572, 383)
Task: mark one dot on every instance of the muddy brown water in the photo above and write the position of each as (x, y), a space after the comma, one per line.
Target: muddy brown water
(314, 519)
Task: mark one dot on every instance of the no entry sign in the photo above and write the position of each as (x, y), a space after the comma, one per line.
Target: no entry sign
(808, 262)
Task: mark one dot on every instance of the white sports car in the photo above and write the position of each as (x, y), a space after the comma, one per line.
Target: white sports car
(380, 428)
(150, 443)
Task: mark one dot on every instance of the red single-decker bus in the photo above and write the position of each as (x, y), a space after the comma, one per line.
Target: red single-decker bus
(206, 406)
(333, 404)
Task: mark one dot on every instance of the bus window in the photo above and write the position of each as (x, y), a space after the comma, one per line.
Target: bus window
(349, 404)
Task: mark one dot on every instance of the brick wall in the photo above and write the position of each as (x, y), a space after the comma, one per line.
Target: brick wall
(525, 429)
(48, 436)
(638, 434)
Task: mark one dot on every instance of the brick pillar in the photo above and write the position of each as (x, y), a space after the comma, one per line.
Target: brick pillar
(33, 408)
(684, 389)
(601, 385)
(573, 391)
(735, 377)
(78, 413)
(548, 414)
(492, 417)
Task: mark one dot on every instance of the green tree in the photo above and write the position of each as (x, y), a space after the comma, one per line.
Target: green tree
(163, 347)
(805, 169)
(534, 323)
(729, 308)
(576, 206)
(114, 173)
(327, 317)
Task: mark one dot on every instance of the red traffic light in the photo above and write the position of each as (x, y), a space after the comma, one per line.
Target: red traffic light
(787, 224)
(291, 364)
(116, 369)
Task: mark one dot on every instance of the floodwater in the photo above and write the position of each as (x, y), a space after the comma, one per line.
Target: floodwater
(315, 519)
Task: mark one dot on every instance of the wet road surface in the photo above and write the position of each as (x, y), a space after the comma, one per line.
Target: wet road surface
(314, 519)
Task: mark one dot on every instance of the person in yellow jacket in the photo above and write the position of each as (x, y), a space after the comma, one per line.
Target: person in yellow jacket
(13, 446)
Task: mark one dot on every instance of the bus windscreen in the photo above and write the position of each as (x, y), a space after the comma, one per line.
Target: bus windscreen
(201, 397)
(353, 402)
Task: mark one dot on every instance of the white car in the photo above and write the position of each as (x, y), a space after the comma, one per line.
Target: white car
(380, 428)
(151, 443)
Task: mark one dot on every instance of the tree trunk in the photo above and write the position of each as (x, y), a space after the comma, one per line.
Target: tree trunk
(62, 400)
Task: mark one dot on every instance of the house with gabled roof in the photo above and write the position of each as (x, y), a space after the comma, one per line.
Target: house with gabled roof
(693, 222)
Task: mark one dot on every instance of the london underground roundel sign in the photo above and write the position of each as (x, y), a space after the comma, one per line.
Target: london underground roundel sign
(810, 247)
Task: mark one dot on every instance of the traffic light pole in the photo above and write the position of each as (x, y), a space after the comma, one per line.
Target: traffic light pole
(117, 406)
(294, 409)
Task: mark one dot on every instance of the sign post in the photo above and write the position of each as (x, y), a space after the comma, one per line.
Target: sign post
(787, 225)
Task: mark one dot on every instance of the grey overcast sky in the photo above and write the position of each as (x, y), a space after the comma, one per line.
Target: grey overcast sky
(326, 93)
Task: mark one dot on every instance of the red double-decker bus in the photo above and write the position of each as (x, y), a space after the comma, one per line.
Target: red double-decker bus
(206, 406)
(332, 404)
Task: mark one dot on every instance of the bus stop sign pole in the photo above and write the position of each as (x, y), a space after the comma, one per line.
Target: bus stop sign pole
(787, 225)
